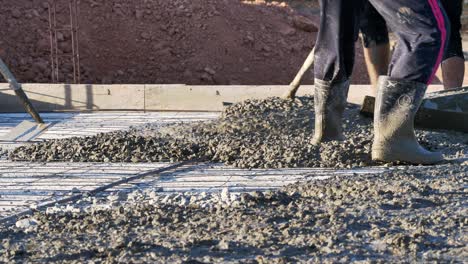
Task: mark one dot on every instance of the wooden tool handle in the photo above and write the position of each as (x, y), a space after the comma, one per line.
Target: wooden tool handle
(19, 92)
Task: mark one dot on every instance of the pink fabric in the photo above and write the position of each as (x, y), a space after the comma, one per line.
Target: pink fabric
(443, 32)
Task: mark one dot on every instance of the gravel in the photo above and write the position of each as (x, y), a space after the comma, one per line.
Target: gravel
(406, 214)
(271, 133)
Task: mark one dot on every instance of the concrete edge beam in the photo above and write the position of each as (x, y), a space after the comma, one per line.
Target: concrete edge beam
(150, 97)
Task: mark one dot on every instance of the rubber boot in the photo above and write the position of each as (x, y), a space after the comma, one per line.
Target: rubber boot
(330, 103)
(395, 108)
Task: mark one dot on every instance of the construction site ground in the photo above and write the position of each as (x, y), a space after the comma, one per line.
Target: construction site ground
(27, 185)
(215, 177)
(204, 212)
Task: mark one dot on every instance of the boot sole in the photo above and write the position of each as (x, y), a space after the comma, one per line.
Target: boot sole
(393, 156)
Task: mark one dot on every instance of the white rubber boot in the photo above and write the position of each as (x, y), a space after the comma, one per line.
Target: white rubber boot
(394, 139)
(329, 103)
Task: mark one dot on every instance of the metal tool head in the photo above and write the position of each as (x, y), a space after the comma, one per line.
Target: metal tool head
(453, 100)
(439, 110)
(25, 131)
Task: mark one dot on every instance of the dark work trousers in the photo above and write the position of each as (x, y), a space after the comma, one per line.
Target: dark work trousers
(374, 29)
(420, 26)
(454, 9)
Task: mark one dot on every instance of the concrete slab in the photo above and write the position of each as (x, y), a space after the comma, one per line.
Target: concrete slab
(59, 97)
(207, 98)
(177, 97)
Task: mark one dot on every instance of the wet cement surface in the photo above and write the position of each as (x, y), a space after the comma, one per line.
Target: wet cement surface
(405, 214)
(272, 133)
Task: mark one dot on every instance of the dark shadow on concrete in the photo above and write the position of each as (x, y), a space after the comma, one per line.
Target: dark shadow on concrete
(89, 97)
(12, 104)
(68, 96)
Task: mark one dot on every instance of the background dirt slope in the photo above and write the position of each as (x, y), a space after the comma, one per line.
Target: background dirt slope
(160, 41)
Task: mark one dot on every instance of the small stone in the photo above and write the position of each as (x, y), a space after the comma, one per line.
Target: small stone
(210, 71)
(225, 197)
(286, 30)
(304, 23)
(118, 197)
(139, 14)
(27, 223)
(224, 245)
(145, 36)
(184, 201)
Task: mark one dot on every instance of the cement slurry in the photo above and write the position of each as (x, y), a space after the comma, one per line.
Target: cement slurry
(405, 215)
(271, 133)
(401, 214)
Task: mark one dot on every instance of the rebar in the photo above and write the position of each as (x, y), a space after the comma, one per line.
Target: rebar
(73, 28)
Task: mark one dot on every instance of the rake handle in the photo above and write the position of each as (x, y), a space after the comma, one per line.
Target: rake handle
(19, 92)
(296, 83)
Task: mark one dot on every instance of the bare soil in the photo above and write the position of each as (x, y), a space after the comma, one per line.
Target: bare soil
(158, 41)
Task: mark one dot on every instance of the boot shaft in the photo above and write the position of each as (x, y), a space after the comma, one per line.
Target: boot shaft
(329, 102)
(396, 106)
(330, 96)
(394, 139)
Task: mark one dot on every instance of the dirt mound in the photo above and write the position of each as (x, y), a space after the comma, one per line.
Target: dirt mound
(160, 41)
(271, 133)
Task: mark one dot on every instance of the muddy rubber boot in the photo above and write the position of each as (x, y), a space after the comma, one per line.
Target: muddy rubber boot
(395, 108)
(329, 103)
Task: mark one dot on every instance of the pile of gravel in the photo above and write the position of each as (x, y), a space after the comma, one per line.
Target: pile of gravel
(409, 214)
(271, 133)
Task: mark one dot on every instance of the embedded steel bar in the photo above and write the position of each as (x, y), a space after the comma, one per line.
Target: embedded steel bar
(73, 28)
(11, 219)
(74, 10)
(51, 34)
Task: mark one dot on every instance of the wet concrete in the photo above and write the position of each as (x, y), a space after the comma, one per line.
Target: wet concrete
(409, 214)
(401, 214)
(272, 133)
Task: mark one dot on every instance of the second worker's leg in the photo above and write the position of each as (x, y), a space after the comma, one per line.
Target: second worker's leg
(377, 58)
(334, 61)
(375, 42)
(453, 72)
(453, 65)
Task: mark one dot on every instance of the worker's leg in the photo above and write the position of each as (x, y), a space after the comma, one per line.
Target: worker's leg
(375, 42)
(377, 59)
(453, 72)
(421, 28)
(334, 61)
(453, 65)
